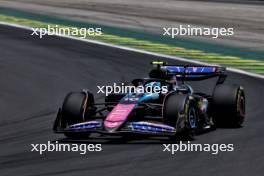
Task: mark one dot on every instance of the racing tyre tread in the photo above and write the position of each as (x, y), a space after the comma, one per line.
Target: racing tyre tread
(228, 106)
(177, 113)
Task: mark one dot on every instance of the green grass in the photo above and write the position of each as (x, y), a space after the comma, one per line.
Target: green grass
(251, 65)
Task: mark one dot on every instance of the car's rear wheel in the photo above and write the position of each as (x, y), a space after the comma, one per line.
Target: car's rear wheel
(180, 111)
(228, 106)
(77, 107)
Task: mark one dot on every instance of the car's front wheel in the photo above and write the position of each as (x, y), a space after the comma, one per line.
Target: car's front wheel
(76, 108)
(180, 111)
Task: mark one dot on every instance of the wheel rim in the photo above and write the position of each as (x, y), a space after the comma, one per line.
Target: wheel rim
(192, 118)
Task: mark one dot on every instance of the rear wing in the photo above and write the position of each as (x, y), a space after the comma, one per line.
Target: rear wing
(192, 72)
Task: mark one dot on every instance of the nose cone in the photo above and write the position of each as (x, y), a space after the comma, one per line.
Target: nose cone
(112, 126)
(118, 116)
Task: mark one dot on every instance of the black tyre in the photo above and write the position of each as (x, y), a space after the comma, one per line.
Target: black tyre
(180, 111)
(228, 106)
(76, 108)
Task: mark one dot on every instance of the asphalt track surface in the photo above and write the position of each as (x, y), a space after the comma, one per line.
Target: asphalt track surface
(35, 75)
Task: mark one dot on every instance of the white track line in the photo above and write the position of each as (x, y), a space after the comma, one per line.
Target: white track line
(140, 51)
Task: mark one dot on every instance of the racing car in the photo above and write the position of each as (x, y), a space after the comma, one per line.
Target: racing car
(178, 112)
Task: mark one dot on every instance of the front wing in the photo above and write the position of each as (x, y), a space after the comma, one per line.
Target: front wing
(140, 127)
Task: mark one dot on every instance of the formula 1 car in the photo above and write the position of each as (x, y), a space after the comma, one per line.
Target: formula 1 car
(177, 112)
